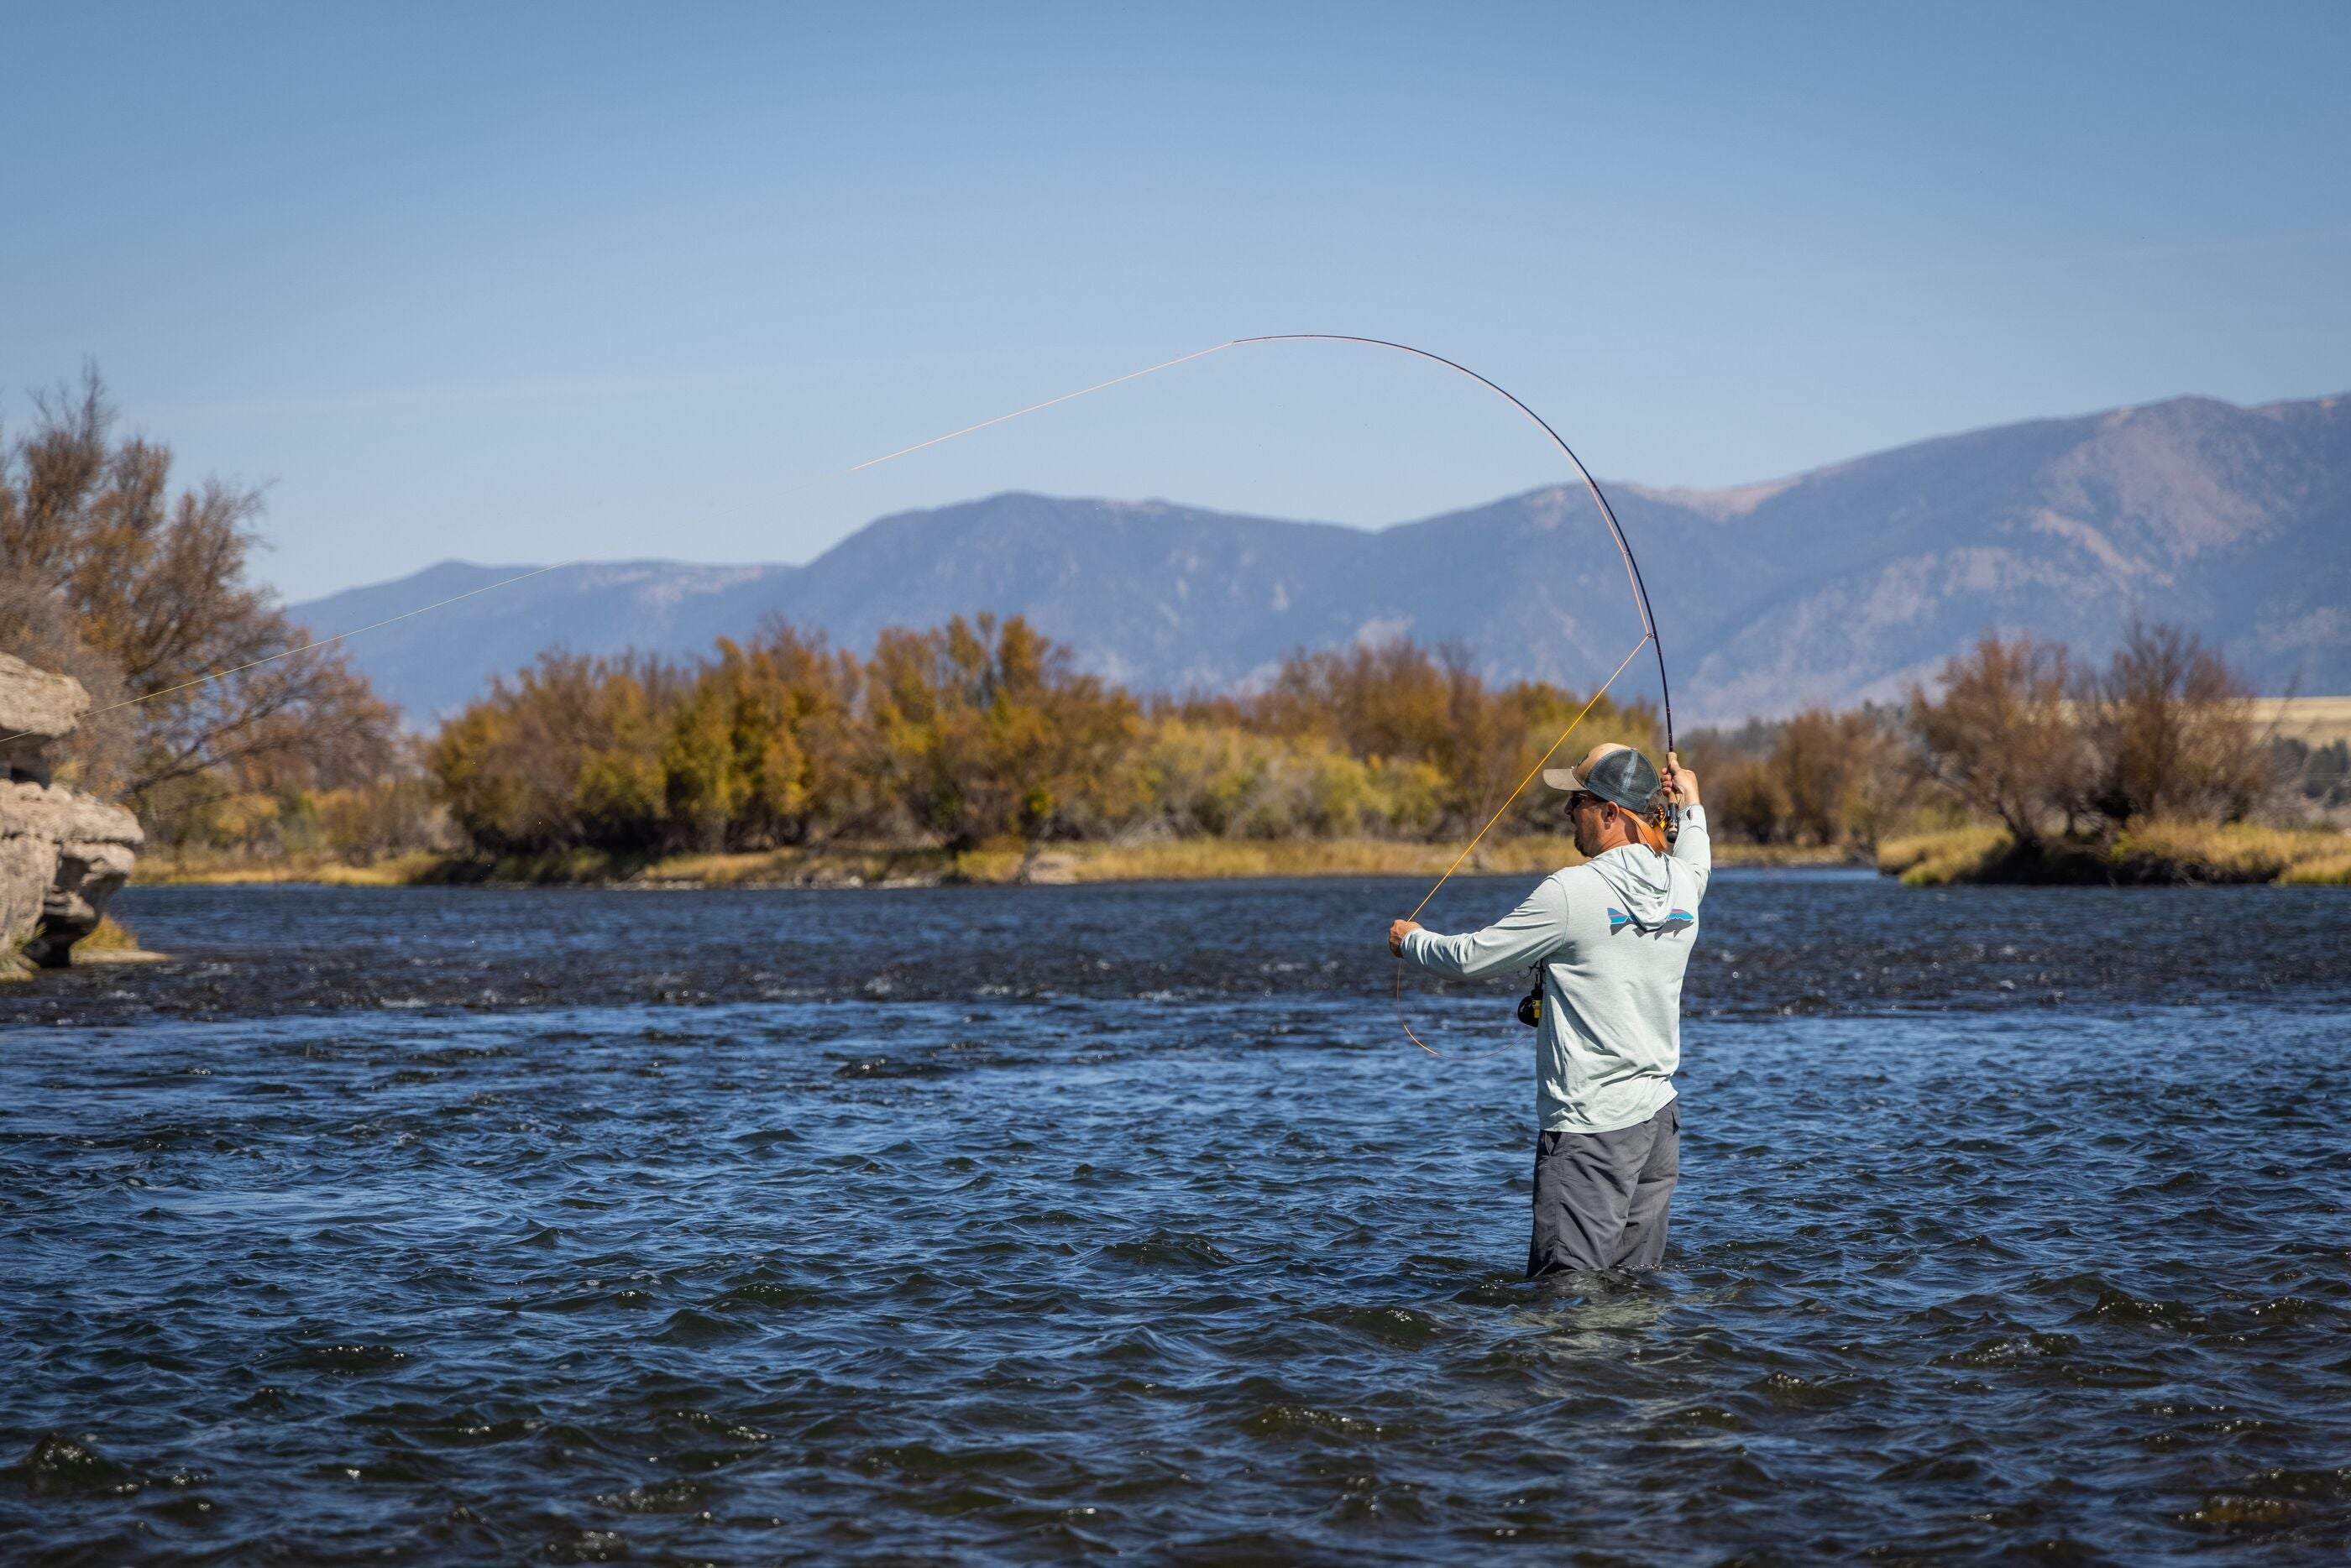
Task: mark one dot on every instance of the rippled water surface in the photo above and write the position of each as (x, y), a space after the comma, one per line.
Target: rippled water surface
(1021, 1224)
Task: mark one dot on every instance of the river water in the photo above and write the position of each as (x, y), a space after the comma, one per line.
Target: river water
(1021, 1224)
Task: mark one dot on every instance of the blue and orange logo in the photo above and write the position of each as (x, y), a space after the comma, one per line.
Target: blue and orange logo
(1677, 921)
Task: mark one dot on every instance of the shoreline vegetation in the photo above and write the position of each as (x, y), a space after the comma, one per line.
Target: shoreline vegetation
(973, 753)
(888, 865)
(978, 752)
(2142, 855)
(2150, 855)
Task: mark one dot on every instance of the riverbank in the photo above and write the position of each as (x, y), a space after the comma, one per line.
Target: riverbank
(870, 866)
(2154, 853)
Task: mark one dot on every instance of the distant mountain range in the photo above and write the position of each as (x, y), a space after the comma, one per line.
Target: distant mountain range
(1840, 585)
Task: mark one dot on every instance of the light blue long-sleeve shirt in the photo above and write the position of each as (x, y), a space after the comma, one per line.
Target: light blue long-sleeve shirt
(1613, 937)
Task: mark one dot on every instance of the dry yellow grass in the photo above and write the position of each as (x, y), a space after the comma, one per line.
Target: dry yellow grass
(393, 871)
(1168, 860)
(111, 935)
(1193, 859)
(2334, 869)
(833, 864)
(1953, 854)
(2239, 852)
(2143, 851)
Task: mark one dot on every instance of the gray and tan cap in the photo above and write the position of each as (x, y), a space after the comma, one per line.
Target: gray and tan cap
(1617, 774)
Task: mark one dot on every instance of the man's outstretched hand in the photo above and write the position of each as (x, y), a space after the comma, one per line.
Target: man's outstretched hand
(1396, 935)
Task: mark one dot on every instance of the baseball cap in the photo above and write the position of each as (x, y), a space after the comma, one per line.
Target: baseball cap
(1617, 774)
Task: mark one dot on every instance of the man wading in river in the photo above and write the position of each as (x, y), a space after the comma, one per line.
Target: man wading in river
(1612, 938)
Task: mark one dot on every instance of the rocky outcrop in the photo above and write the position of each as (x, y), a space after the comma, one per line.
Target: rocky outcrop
(38, 710)
(62, 855)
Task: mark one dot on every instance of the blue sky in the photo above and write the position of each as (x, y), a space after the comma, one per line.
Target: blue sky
(533, 283)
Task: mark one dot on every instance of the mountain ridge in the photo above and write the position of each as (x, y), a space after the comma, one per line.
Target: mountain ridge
(1838, 585)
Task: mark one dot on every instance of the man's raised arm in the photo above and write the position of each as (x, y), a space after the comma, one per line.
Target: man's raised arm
(1514, 941)
(1692, 847)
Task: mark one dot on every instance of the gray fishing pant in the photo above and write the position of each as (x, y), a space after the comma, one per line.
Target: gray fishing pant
(1601, 1198)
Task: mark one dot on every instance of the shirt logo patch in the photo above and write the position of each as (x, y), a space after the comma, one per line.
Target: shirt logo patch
(1678, 921)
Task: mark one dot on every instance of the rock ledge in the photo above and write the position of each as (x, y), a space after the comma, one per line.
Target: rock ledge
(62, 855)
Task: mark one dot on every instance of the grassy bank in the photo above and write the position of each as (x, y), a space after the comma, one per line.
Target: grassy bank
(201, 870)
(872, 866)
(2151, 854)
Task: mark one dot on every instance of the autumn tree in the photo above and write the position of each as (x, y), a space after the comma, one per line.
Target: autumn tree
(1838, 777)
(2170, 729)
(36, 626)
(1443, 749)
(1742, 798)
(567, 753)
(987, 731)
(150, 579)
(764, 747)
(2001, 733)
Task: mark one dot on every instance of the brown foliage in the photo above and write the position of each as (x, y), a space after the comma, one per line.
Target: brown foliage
(2001, 734)
(2164, 732)
(152, 585)
(2171, 728)
(1819, 778)
(972, 732)
(1402, 707)
(980, 731)
(569, 754)
(36, 626)
(1848, 776)
(988, 731)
